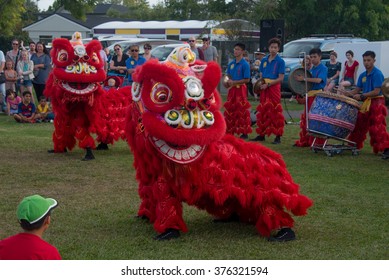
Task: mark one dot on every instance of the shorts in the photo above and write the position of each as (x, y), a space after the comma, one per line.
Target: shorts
(335, 81)
(26, 83)
(350, 80)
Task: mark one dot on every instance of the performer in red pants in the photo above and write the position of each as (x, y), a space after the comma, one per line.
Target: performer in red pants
(270, 119)
(237, 114)
(319, 80)
(371, 117)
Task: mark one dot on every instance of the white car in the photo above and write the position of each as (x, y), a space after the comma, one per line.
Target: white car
(162, 52)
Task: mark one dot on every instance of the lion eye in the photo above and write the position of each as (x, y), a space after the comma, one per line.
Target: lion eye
(161, 94)
(62, 56)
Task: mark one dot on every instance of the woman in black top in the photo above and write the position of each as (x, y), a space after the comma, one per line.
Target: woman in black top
(118, 62)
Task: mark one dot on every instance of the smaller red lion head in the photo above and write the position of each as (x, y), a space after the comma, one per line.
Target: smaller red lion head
(78, 69)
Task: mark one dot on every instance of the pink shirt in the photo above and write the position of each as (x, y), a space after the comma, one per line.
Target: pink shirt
(13, 104)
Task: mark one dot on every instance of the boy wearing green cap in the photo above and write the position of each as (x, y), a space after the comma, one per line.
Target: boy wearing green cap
(34, 217)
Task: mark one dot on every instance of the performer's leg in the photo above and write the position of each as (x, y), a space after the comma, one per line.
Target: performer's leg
(358, 135)
(379, 137)
(168, 208)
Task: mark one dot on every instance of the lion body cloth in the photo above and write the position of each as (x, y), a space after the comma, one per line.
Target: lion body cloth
(80, 104)
(181, 153)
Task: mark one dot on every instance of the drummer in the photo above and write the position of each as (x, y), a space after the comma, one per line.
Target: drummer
(236, 112)
(371, 117)
(319, 81)
(270, 117)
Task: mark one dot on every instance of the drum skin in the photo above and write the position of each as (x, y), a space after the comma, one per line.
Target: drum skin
(333, 115)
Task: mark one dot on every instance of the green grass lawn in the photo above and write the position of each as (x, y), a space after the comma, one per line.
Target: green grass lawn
(98, 202)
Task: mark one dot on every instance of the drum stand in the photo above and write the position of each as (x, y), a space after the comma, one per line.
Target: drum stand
(329, 149)
(332, 149)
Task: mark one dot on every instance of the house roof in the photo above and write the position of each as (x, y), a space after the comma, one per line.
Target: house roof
(98, 16)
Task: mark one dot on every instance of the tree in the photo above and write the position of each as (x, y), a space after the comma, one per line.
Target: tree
(10, 19)
(78, 8)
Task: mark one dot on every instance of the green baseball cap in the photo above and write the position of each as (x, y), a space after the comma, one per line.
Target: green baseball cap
(35, 207)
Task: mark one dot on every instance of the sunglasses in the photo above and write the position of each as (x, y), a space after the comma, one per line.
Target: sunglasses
(147, 48)
(134, 50)
(190, 41)
(15, 44)
(118, 49)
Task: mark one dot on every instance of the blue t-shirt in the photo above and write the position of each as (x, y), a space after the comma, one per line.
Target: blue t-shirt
(319, 71)
(272, 70)
(371, 81)
(239, 70)
(26, 110)
(131, 63)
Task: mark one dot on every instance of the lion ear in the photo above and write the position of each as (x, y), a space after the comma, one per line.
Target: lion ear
(211, 77)
(61, 49)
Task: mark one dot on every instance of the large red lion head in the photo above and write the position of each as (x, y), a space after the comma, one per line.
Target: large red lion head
(77, 68)
(180, 112)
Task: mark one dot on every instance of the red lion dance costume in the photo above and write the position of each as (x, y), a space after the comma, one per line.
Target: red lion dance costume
(182, 154)
(80, 104)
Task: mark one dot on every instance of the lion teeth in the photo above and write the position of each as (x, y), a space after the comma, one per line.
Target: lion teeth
(178, 155)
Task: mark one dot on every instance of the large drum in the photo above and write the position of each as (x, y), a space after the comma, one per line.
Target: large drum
(333, 115)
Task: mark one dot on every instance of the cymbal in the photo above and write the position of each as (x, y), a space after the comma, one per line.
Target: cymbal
(257, 85)
(385, 88)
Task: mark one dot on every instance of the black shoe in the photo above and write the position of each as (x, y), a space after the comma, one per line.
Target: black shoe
(142, 217)
(244, 136)
(284, 234)
(102, 147)
(89, 155)
(385, 154)
(258, 138)
(170, 233)
(277, 140)
(231, 219)
(53, 151)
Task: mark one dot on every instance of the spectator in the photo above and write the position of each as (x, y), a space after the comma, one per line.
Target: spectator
(147, 55)
(14, 54)
(236, 107)
(42, 68)
(334, 68)
(319, 80)
(2, 86)
(371, 117)
(198, 51)
(210, 52)
(34, 216)
(26, 109)
(13, 101)
(43, 111)
(270, 119)
(349, 76)
(133, 61)
(25, 71)
(10, 75)
(31, 46)
(111, 83)
(118, 62)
